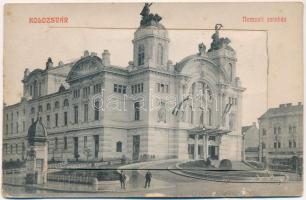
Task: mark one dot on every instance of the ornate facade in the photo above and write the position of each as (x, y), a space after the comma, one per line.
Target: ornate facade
(93, 110)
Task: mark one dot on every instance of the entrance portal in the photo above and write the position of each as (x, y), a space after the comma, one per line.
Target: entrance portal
(136, 147)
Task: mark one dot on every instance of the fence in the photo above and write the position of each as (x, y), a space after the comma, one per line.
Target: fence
(70, 179)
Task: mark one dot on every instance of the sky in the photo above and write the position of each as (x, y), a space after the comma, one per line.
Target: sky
(91, 27)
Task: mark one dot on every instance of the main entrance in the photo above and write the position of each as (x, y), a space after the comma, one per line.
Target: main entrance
(204, 143)
(136, 147)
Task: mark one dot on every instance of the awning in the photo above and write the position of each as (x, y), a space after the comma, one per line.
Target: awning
(208, 131)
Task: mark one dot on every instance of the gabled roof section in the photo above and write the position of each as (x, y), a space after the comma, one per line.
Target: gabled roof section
(84, 67)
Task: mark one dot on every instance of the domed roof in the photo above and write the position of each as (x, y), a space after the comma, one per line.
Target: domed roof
(37, 132)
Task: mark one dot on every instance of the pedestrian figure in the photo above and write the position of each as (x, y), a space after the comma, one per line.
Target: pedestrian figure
(122, 178)
(148, 179)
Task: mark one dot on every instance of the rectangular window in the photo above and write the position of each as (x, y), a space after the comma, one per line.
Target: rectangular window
(65, 118)
(97, 88)
(132, 89)
(86, 92)
(167, 88)
(16, 145)
(279, 145)
(115, 87)
(56, 119)
(85, 142)
(65, 143)
(55, 143)
(275, 145)
(48, 120)
(119, 88)
(137, 111)
(85, 112)
(264, 132)
(11, 128)
(275, 130)
(294, 144)
(141, 87)
(138, 88)
(290, 144)
(158, 87)
(6, 127)
(76, 93)
(124, 89)
(23, 126)
(17, 128)
(76, 114)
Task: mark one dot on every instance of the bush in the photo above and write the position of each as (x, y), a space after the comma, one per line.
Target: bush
(225, 164)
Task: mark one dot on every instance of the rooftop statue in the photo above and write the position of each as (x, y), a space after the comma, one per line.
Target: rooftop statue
(149, 19)
(218, 42)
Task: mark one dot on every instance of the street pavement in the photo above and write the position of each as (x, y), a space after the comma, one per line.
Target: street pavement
(167, 184)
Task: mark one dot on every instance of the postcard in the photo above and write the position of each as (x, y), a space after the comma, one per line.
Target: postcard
(152, 100)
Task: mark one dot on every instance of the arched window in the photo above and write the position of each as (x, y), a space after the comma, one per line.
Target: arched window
(141, 54)
(66, 103)
(48, 106)
(56, 105)
(191, 114)
(119, 146)
(35, 89)
(97, 110)
(193, 89)
(160, 54)
(137, 111)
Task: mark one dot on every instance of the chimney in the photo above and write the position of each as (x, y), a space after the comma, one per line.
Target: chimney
(93, 54)
(86, 53)
(289, 104)
(281, 105)
(106, 58)
(299, 103)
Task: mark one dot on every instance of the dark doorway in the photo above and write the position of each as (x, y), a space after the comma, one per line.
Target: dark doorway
(96, 138)
(191, 151)
(213, 152)
(136, 146)
(76, 148)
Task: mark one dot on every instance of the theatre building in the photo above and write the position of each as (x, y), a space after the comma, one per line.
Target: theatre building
(93, 110)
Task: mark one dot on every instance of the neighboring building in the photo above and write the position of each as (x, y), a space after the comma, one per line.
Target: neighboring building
(281, 135)
(250, 136)
(68, 99)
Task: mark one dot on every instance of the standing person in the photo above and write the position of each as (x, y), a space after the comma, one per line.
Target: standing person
(148, 179)
(122, 178)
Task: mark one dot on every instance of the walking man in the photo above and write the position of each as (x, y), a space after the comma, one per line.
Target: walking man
(122, 178)
(148, 179)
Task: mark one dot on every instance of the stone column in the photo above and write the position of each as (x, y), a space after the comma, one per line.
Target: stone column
(196, 138)
(205, 149)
